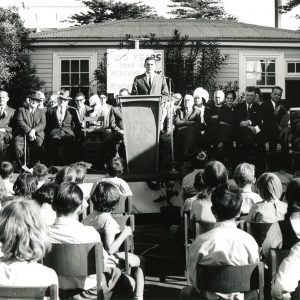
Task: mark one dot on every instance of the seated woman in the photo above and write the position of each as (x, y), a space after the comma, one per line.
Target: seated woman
(271, 209)
(214, 174)
(24, 240)
(286, 233)
(188, 128)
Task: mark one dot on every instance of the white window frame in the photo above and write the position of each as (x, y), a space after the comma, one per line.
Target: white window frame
(291, 75)
(91, 56)
(274, 55)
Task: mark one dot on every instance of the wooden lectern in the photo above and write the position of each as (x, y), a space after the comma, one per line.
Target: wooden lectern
(141, 121)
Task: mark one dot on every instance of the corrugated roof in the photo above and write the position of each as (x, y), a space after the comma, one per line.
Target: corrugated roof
(163, 28)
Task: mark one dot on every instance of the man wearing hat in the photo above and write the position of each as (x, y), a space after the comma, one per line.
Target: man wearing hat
(6, 122)
(30, 124)
(63, 126)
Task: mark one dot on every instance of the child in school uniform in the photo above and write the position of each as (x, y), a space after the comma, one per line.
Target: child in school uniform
(6, 171)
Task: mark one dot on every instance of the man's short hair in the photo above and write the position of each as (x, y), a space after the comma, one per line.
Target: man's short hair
(6, 169)
(244, 174)
(277, 88)
(251, 89)
(123, 90)
(79, 95)
(67, 198)
(150, 58)
(226, 201)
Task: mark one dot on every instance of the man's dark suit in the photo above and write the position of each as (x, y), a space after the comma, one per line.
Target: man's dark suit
(84, 112)
(247, 135)
(62, 136)
(6, 124)
(275, 124)
(141, 85)
(24, 124)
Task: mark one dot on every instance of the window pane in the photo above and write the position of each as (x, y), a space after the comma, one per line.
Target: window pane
(84, 79)
(74, 66)
(65, 66)
(270, 66)
(262, 66)
(251, 79)
(297, 67)
(260, 79)
(74, 79)
(271, 79)
(84, 66)
(251, 66)
(74, 91)
(65, 79)
(291, 68)
(85, 91)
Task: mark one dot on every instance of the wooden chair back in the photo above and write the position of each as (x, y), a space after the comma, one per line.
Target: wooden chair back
(30, 293)
(124, 220)
(77, 260)
(277, 256)
(201, 227)
(258, 230)
(231, 279)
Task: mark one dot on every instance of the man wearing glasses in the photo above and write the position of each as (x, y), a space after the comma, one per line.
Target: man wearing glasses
(82, 109)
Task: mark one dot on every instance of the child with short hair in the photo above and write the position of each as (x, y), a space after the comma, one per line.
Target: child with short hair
(65, 174)
(66, 229)
(24, 240)
(41, 173)
(6, 171)
(25, 185)
(244, 177)
(271, 209)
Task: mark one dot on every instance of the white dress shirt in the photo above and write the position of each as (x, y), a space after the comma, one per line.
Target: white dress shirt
(288, 274)
(249, 199)
(225, 244)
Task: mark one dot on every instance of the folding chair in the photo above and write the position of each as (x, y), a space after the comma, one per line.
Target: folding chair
(124, 220)
(258, 230)
(231, 279)
(77, 260)
(30, 293)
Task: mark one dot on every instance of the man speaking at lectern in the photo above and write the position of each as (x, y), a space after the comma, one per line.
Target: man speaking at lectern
(150, 83)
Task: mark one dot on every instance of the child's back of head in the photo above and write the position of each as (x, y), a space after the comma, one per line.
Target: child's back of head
(226, 202)
(67, 198)
(244, 174)
(115, 167)
(199, 159)
(66, 174)
(6, 169)
(25, 185)
(40, 171)
(45, 193)
(105, 197)
(214, 174)
(269, 187)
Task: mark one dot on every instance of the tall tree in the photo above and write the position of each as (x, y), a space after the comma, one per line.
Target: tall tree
(109, 10)
(289, 6)
(200, 9)
(17, 75)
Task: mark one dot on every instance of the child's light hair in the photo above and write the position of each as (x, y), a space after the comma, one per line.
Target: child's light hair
(23, 234)
(244, 174)
(269, 187)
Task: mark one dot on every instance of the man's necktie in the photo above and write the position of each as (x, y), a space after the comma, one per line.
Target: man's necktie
(150, 82)
(31, 116)
(248, 111)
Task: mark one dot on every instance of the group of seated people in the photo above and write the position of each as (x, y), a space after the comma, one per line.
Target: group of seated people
(37, 211)
(212, 195)
(54, 134)
(218, 124)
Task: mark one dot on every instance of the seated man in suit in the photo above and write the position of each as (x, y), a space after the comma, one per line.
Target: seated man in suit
(275, 121)
(63, 129)
(249, 121)
(150, 83)
(30, 124)
(82, 109)
(188, 128)
(6, 122)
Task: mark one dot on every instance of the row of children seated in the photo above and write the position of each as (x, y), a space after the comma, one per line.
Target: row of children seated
(222, 201)
(37, 212)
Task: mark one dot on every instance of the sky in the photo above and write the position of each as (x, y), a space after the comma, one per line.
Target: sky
(50, 13)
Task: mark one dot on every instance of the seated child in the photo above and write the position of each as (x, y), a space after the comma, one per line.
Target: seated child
(25, 185)
(44, 197)
(287, 278)
(214, 174)
(41, 173)
(198, 162)
(105, 198)
(65, 174)
(6, 170)
(271, 209)
(225, 244)
(286, 233)
(67, 203)
(24, 240)
(244, 176)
